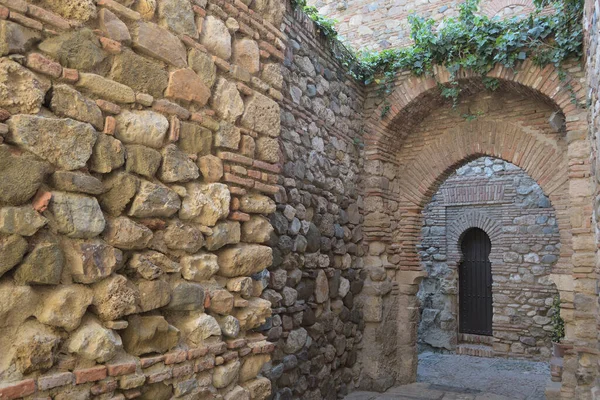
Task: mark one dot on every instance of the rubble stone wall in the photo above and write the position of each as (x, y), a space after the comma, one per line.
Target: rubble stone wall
(512, 209)
(139, 155)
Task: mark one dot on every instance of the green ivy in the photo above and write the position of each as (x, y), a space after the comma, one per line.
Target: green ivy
(558, 324)
(326, 26)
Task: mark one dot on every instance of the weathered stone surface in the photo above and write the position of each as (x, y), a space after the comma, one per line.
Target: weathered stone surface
(238, 393)
(150, 76)
(200, 267)
(227, 101)
(257, 204)
(221, 301)
(197, 328)
(211, 168)
(120, 189)
(159, 43)
(108, 154)
(257, 230)
(223, 233)
(177, 16)
(271, 74)
(176, 166)
(75, 181)
(12, 250)
(79, 50)
(114, 298)
(126, 234)
(153, 294)
(215, 37)
(321, 287)
(186, 296)
(113, 26)
(246, 55)
(241, 285)
(147, 128)
(17, 303)
(64, 306)
(75, 215)
(24, 221)
(186, 85)
(79, 10)
(20, 90)
(244, 259)
(20, 175)
(228, 136)
(267, 149)
(260, 388)
(152, 264)
(271, 10)
(69, 103)
(225, 374)
(193, 139)
(205, 203)
(43, 266)
(230, 326)
(94, 342)
(154, 200)
(146, 8)
(35, 347)
(106, 88)
(204, 66)
(149, 334)
(252, 365)
(254, 315)
(142, 160)
(65, 143)
(186, 237)
(91, 261)
(262, 115)
(15, 38)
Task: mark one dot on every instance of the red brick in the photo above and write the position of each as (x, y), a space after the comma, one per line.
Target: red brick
(28, 22)
(4, 12)
(222, 64)
(90, 374)
(108, 107)
(237, 191)
(186, 85)
(174, 129)
(132, 394)
(70, 75)
(236, 343)
(111, 46)
(159, 376)
(56, 380)
(41, 201)
(15, 390)
(167, 107)
(199, 10)
(245, 90)
(254, 174)
(110, 125)
(104, 387)
(230, 178)
(275, 168)
(39, 63)
(175, 357)
(234, 157)
(48, 17)
(239, 216)
(182, 370)
(149, 361)
(217, 348)
(121, 369)
(192, 354)
(266, 188)
(204, 364)
(230, 355)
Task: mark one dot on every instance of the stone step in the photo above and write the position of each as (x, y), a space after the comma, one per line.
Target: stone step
(477, 350)
(475, 339)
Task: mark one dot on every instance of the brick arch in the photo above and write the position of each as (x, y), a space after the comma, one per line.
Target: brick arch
(492, 8)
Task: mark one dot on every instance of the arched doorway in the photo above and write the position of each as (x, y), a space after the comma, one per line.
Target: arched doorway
(475, 284)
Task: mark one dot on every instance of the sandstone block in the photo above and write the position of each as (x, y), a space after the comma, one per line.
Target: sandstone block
(227, 101)
(114, 298)
(200, 267)
(20, 90)
(64, 306)
(17, 303)
(252, 365)
(43, 266)
(94, 342)
(197, 328)
(238, 393)
(159, 43)
(16, 39)
(80, 50)
(262, 115)
(153, 200)
(24, 221)
(79, 10)
(224, 375)
(176, 166)
(244, 260)
(228, 136)
(147, 128)
(230, 326)
(186, 237)
(152, 264)
(65, 143)
(211, 168)
(215, 37)
(153, 294)
(106, 88)
(257, 230)
(113, 26)
(120, 189)
(91, 261)
(203, 65)
(186, 296)
(35, 347)
(75, 215)
(75, 181)
(126, 234)
(149, 77)
(205, 203)
(246, 54)
(149, 334)
(241, 285)
(146, 8)
(142, 160)
(69, 103)
(260, 388)
(177, 16)
(193, 139)
(12, 250)
(254, 315)
(186, 85)
(20, 175)
(108, 154)
(223, 233)
(271, 74)
(272, 11)
(221, 301)
(257, 204)
(267, 149)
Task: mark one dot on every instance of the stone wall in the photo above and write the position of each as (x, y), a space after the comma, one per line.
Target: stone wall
(316, 272)
(139, 148)
(511, 207)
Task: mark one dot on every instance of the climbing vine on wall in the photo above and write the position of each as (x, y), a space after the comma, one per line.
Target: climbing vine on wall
(469, 41)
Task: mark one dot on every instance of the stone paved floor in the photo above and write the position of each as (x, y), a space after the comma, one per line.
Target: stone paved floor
(454, 377)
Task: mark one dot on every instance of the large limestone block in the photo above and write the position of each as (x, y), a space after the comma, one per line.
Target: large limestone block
(79, 50)
(142, 160)
(186, 296)
(244, 260)
(69, 103)
(272, 75)
(225, 374)
(126, 234)
(76, 181)
(227, 101)
(262, 115)
(260, 388)
(20, 175)
(252, 365)
(42, 266)
(20, 90)
(199, 267)
(221, 301)
(149, 334)
(15, 38)
(17, 303)
(194, 139)
(12, 250)
(228, 136)
(91, 261)
(246, 54)
(64, 306)
(267, 149)
(154, 200)
(224, 233)
(106, 88)
(108, 154)
(94, 342)
(156, 42)
(195, 329)
(150, 76)
(75, 215)
(216, 37)
(65, 143)
(205, 203)
(79, 10)
(253, 315)
(120, 189)
(153, 294)
(147, 128)
(180, 236)
(254, 203)
(114, 298)
(24, 221)
(257, 230)
(186, 85)
(203, 64)
(177, 16)
(34, 348)
(177, 166)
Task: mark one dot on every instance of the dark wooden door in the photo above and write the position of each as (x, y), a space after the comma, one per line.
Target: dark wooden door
(475, 280)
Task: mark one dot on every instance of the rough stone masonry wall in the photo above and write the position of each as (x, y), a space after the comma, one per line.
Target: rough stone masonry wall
(138, 147)
(316, 273)
(523, 253)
